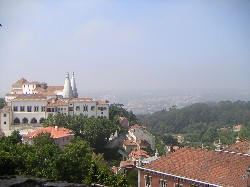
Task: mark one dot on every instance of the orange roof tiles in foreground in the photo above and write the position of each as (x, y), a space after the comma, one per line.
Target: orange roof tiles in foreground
(205, 166)
(56, 132)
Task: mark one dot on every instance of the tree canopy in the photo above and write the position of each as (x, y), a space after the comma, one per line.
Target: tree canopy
(201, 122)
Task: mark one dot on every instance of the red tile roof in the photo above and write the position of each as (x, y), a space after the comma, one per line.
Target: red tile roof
(30, 97)
(137, 153)
(242, 146)
(213, 167)
(102, 102)
(129, 143)
(54, 88)
(58, 132)
(21, 81)
(137, 127)
(82, 99)
(59, 102)
(127, 163)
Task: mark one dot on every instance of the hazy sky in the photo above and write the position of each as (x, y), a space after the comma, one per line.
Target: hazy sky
(126, 45)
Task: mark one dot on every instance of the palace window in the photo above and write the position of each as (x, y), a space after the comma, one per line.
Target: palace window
(43, 108)
(29, 108)
(36, 108)
(22, 108)
(85, 108)
(92, 108)
(77, 108)
(4, 115)
(4, 122)
(15, 108)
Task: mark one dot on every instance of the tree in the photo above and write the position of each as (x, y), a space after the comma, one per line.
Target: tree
(74, 161)
(2, 103)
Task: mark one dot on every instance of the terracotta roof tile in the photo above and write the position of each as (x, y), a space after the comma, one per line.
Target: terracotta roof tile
(102, 102)
(21, 81)
(30, 97)
(214, 167)
(82, 99)
(55, 132)
(137, 153)
(126, 163)
(129, 143)
(54, 88)
(239, 147)
(137, 127)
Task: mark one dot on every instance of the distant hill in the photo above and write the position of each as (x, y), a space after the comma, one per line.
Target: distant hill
(200, 120)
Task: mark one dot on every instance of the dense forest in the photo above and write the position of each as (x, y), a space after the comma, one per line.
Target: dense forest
(201, 122)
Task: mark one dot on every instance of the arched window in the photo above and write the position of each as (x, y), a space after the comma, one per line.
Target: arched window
(25, 120)
(41, 120)
(33, 120)
(16, 120)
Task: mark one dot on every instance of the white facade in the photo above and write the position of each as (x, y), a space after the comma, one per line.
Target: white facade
(28, 109)
(137, 133)
(39, 101)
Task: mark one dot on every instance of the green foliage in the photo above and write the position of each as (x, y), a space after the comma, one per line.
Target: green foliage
(7, 165)
(118, 110)
(2, 103)
(200, 122)
(95, 131)
(133, 178)
(76, 162)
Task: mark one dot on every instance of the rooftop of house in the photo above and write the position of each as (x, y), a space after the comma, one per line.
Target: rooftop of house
(30, 97)
(242, 146)
(213, 167)
(102, 102)
(129, 143)
(137, 127)
(136, 154)
(56, 132)
(127, 163)
(21, 81)
(54, 88)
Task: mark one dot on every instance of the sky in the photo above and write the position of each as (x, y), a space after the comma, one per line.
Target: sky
(126, 45)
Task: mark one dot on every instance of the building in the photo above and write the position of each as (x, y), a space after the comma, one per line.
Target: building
(124, 123)
(196, 167)
(30, 103)
(60, 135)
(139, 134)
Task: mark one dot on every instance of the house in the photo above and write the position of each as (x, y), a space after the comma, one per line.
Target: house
(237, 128)
(124, 123)
(125, 167)
(196, 167)
(60, 135)
(138, 133)
(129, 145)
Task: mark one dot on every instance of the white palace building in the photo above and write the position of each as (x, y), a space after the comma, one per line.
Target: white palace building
(30, 103)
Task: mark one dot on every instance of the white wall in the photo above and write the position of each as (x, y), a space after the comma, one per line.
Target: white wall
(29, 115)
